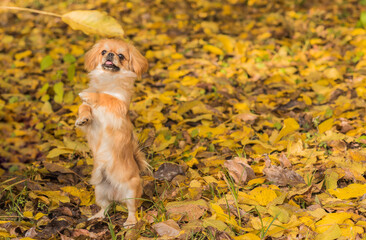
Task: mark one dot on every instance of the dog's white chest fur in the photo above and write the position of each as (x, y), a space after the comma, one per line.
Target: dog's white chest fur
(122, 95)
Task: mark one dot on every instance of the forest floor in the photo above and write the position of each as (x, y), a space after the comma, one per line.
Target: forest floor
(252, 113)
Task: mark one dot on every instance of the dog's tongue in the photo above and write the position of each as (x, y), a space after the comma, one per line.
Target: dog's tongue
(108, 62)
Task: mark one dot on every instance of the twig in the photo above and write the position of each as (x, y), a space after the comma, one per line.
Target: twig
(31, 10)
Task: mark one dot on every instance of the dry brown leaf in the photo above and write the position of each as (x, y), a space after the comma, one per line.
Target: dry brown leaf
(167, 171)
(285, 162)
(239, 170)
(87, 233)
(167, 228)
(188, 210)
(281, 176)
(52, 167)
(247, 117)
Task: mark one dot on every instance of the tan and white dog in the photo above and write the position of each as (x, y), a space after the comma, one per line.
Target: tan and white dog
(113, 66)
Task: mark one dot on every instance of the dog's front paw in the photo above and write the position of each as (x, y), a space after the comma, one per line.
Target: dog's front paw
(85, 97)
(83, 121)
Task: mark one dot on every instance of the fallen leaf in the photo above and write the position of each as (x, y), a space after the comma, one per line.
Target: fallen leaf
(167, 171)
(351, 191)
(239, 170)
(167, 228)
(187, 210)
(281, 176)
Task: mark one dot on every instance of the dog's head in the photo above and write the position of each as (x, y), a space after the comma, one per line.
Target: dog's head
(114, 55)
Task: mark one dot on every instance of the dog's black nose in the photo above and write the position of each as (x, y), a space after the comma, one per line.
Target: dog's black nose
(110, 54)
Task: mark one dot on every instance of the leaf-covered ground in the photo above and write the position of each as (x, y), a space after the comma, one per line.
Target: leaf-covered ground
(260, 106)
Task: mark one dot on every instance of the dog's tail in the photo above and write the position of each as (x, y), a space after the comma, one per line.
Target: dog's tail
(140, 159)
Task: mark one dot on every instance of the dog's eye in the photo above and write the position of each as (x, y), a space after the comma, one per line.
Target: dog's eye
(121, 56)
(103, 52)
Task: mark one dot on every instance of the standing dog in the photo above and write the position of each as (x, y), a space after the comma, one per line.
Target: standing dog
(113, 66)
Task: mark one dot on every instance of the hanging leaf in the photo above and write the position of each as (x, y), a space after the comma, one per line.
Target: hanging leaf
(93, 23)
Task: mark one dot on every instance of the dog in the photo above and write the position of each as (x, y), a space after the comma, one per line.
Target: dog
(113, 67)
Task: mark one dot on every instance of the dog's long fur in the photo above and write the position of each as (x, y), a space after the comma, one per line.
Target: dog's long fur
(113, 66)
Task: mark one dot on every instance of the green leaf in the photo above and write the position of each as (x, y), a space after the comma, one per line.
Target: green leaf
(194, 133)
(59, 91)
(46, 62)
(68, 58)
(277, 125)
(13, 99)
(69, 97)
(363, 19)
(328, 113)
(93, 23)
(71, 72)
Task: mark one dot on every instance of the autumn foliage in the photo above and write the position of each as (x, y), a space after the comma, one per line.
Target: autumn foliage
(252, 116)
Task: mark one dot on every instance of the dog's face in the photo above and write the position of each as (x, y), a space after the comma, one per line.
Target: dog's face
(114, 55)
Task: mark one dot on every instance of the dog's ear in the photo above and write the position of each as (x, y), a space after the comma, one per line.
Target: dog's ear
(138, 63)
(92, 58)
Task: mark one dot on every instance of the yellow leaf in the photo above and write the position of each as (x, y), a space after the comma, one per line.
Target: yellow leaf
(357, 156)
(185, 107)
(54, 196)
(218, 224)
(308, 222)
(39, 215)
(192, 162)
(281, 213)
(210, 27)
(227, 42)
(349, 229)
(256, 181)
(189, 81)
(242, 107)
(5, 235)
(47, 108)
(306, 99)
(290, 125)
(195, 183)
(333, 232)
(22, 55)
(315, 41)
(295, 148)
(326, 125)
(220, 215)
(213, 49)
(248, 236)
(84, 195)
(76, 50)
(263, 195)
(264, 36)
(93, 22)
(58, 151)
(330, 219)
(332, 73)
(161, 143)
(351, 191)
(210, 179)
(28, 214)
(331, 178)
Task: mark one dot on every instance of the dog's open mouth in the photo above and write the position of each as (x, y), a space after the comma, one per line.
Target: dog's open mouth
(109, 65)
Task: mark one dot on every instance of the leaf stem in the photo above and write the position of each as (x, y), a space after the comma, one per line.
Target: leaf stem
(31, 10)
